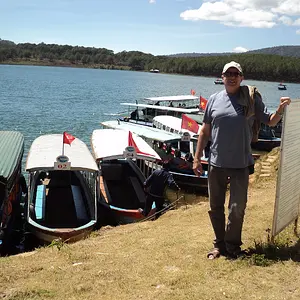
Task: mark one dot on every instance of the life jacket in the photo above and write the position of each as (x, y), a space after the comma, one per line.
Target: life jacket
(247, 98)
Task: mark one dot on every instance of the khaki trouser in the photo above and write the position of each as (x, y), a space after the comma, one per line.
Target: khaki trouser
(217, 185)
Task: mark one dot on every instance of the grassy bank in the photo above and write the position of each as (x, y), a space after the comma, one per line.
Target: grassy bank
(164, 259)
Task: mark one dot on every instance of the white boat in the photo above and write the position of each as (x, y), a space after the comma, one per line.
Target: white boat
(146, 132)
(144, 112)
(218, 81)
(62, 200)
(172, 124)
(184, 101)
(282, 87)
(165, 143)
(123, 159)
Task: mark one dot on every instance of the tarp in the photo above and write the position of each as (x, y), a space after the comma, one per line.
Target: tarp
(11, 153)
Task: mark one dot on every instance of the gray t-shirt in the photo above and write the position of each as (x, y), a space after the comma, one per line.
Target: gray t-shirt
(231, 131)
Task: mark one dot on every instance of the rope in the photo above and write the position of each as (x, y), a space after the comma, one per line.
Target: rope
(168, 207)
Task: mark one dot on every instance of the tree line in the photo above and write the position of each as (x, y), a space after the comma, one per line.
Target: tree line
(256, 66)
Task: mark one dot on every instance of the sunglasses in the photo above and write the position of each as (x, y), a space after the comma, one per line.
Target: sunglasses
(232, 74)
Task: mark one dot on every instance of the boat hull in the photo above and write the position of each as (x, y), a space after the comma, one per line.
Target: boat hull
(266, 144)
(47, 235)
(122, 193)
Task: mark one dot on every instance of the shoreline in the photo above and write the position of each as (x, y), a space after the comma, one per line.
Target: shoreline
(110, 67)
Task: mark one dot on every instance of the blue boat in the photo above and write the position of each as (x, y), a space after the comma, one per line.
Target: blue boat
(267, 139)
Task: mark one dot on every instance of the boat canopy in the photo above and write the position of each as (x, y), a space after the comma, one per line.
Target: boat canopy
(180, 98)
(165, 108)
(108, 144)
(171, 122)
(11, 153)
(45, 149)
(143, 131)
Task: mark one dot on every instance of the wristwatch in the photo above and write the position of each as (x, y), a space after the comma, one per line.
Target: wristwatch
(279, 113)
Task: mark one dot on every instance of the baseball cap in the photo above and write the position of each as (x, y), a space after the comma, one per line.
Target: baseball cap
(232, 64)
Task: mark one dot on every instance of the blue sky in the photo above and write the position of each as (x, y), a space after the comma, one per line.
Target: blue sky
(154, 26)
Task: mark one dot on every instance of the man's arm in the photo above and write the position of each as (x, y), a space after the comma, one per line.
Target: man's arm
(148, 181)
(202, 142)
(172, 182)
(275, 117)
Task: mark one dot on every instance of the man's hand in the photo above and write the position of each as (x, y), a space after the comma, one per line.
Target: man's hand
(284, 101)
(197, 168)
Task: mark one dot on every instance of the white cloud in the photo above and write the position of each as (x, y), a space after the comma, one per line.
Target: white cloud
(152, 1)
(298, 31)
(240, 49)
(245, 13)
(297, 22)
(288, 7)
(286, 20)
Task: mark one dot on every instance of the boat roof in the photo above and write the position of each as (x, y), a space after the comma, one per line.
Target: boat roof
(46, 148)
(143, 131)
(166, 108)
(108, 144)
(11, 153)
(179, 98)
(173, 122)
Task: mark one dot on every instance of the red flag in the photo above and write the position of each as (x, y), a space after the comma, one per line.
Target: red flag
(193, 92)
(189, 124)
(68, 138)
(132, 143)
(203, 103)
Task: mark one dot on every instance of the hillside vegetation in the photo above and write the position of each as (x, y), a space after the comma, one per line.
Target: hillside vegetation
(257, 65)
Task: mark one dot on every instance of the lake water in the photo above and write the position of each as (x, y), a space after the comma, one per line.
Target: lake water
(40, 100)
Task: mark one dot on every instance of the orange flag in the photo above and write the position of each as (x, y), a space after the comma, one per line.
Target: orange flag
(203, 103)
(68, 138)
(189, 124)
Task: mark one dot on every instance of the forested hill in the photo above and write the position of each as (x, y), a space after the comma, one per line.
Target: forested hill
(259, 66)
(290, 51)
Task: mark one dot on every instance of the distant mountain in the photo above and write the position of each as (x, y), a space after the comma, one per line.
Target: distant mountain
(6, 43)
(194, 54)
(291, 51)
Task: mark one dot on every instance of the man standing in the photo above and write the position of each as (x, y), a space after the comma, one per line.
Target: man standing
(156, 184)
(228, 122)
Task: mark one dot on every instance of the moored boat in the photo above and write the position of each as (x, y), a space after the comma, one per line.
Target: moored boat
(218, 81)
(148, 108)
(124, 160)
(62, 193)
(165, 143)
(11, 186)
(282, 86)
(267, 139)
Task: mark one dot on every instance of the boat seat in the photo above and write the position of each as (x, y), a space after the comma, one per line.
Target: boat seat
(40, 199)
(60, 211)
(79, 203)
(60, 179)
(112, 171)
(138, 188)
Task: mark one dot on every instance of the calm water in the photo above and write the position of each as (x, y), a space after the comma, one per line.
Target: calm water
(41, 100)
